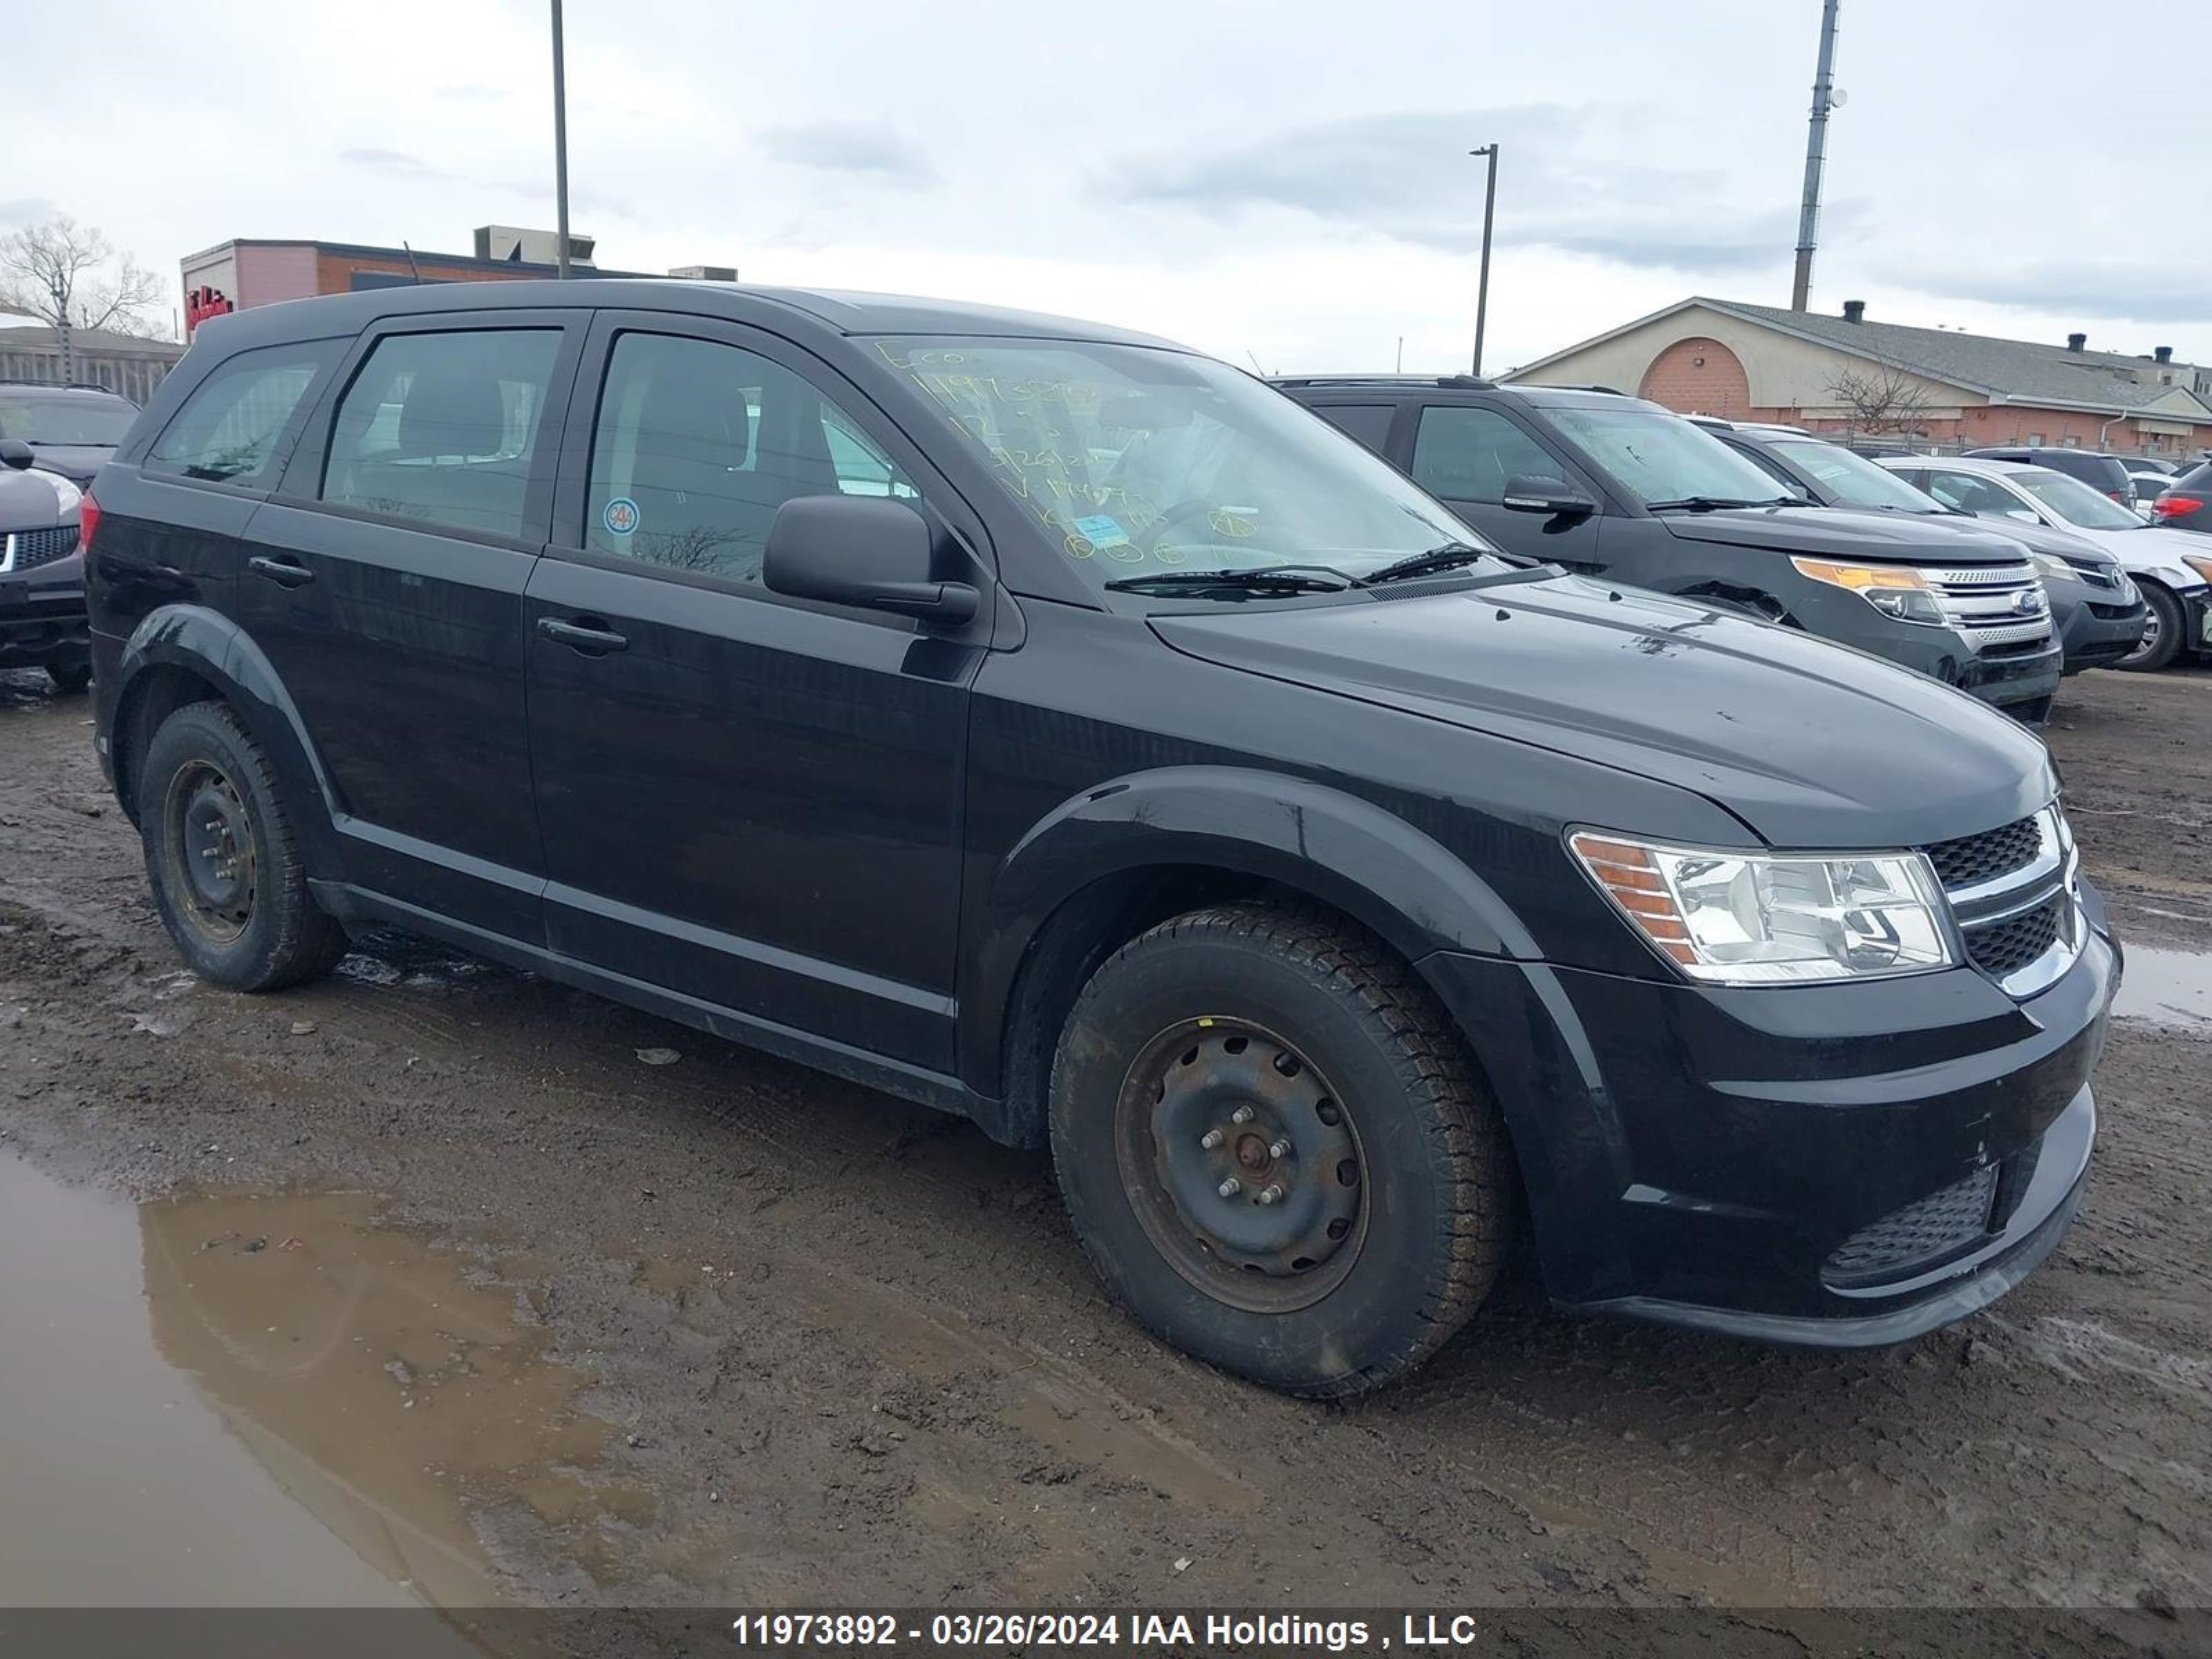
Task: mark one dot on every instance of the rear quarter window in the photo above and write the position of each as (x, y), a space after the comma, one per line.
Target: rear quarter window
(234, 427)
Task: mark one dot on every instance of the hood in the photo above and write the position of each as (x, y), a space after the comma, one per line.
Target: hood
(2152, 550)
(2043, 538)
(1847, 534)
(1810, 744)
(35, 499)
(76, 462)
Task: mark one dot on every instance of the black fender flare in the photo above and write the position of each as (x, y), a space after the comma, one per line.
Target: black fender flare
(213, 647)
(1339, 848)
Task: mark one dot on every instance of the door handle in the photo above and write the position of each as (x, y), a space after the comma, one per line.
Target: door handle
(581, 636)
(285, 573)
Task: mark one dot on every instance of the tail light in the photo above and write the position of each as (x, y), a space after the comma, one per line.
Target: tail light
(88, 521)
(2176, 507)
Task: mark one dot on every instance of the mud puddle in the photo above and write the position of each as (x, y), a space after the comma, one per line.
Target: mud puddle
(234, 1400)
(2166, 988)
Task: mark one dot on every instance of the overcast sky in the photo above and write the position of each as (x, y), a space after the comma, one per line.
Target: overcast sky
(1282, 181)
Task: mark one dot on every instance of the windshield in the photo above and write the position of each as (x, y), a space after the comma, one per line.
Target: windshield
(1663, 457)
(1852, 479)
(2069, 499)
(1137, 460)
(95, 422)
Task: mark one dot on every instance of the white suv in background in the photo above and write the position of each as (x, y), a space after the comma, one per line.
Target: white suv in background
(2173, 567)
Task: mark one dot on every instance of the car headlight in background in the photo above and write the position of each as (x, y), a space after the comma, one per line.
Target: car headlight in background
(1738, 918)
(2200, 563)
(1895, 590)
(2049, 564)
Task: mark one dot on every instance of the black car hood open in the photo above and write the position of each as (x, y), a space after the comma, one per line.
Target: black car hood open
(1844, 533)
(1811, 745)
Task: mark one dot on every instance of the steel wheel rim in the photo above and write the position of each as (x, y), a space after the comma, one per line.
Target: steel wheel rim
(213, 857)
(1263, 1211)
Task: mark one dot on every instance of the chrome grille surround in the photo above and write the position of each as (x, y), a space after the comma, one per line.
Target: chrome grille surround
(1991, 605)
(2021, 924)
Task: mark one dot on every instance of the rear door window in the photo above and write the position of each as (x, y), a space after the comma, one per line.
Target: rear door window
(1369, 423)
(443, 428)
(232, 425)
(1468, 454)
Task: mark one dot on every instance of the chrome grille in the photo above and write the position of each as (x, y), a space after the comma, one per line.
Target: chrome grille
(2011, 893)
(1994, 604)
(2005, 947)
(27, 549)
(1921, 1234)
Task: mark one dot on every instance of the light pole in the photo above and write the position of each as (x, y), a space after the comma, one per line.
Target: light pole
(1482, 286)
(560, 146)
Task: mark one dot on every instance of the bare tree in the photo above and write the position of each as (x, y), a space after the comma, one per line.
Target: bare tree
(70, 277)
(1878, 400)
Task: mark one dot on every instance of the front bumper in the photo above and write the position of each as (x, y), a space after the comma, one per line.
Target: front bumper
(2197, 611)
(1782, 1163)
(43, 621)
(2094, 633)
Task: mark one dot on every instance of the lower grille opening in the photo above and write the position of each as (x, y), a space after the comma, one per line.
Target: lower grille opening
(1921, 1234)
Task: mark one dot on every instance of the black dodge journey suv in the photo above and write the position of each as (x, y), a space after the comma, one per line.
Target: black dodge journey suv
(1616, 487)
(1050, 724)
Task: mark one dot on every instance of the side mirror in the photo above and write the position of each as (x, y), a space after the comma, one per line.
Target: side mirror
(2026, 515)
(15, 452)
(860, 550)
(1530, 492)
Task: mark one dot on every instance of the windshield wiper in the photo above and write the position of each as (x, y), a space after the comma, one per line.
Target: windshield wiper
(1261, 579)
(1719, 503)
(1450, 556)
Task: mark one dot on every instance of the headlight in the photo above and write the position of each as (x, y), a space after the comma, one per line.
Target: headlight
(1737, 918)
(1895, 590)
(2049, 564)
(2199, 563)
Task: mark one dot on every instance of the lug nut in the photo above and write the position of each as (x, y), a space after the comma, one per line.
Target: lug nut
(1229, 1188)
(1210, 1139)
(1281, 1149)
(1272, 1196)
(1242, 1115)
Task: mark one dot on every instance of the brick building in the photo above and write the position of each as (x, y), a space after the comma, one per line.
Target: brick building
(249, 271)
(1946, 389)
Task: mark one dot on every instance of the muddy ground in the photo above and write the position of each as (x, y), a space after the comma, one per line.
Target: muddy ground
(441, 1252)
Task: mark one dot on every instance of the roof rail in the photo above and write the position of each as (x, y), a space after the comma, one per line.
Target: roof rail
(1610, 391)
(1458, 382)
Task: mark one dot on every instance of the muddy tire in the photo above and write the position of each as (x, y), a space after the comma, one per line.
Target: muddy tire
(224, 864)
(1276, 1152)
(72, 680)
(2163, 636)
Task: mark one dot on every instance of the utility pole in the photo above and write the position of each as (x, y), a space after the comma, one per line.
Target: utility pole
(1489, 213)
(561, 144)
(1816, 150)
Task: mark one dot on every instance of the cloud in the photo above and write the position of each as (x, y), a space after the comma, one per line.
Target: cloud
(27, 210)
(397, 163)
(470, 92)
(867, 147)
(2143, 291)
(1408, 176)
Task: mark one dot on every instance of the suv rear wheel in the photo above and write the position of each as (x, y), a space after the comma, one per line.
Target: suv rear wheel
(2163, 632)
(1274, 1149)
(226, 869)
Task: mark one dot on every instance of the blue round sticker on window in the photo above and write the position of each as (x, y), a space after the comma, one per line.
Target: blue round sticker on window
(621, 516)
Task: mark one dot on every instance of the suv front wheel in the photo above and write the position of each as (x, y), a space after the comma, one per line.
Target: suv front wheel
(1276, 1152)
(225, 867)
(2164, 631)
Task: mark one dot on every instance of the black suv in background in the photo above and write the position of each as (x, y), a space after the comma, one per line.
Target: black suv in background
(1615, 487)
(1051, 724)
(72, 429)
(2095, 609)
(2107, 475)
(42, 616)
